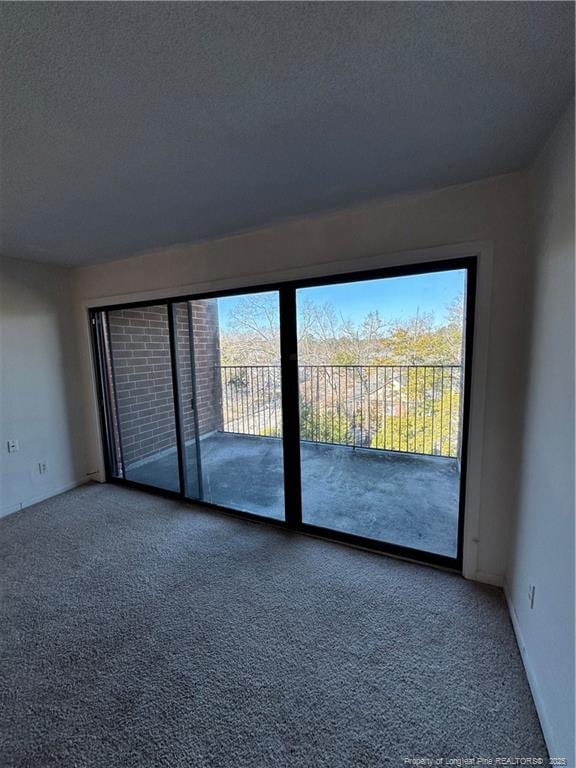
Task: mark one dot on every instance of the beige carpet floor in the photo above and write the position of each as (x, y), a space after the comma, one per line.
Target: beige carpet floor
(139, 631)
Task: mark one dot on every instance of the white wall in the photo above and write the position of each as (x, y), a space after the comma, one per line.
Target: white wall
(39, 404)
(492, 210)
(542, 540)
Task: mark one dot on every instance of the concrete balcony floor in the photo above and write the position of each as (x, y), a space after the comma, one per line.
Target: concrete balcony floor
(403, 499)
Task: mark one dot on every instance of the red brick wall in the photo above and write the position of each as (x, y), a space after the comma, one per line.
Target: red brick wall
(207, 359)
(141, 356)
(140, 347)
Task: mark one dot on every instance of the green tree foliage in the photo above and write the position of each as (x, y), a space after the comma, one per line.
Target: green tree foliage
(320, 426)
(270, 432)
(430, 429)
(420, 341)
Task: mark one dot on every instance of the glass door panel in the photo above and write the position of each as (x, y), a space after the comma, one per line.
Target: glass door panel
(234, 379)
(380, 370)
(140, 386)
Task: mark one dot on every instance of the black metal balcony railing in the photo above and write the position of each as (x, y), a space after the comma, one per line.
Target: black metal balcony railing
(407, 408)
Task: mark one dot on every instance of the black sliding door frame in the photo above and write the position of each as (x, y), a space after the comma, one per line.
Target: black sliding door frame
(290, 408)
(106, 400)
(290, 400)
(176, 389)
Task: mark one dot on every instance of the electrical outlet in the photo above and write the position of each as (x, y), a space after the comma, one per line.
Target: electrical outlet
(13, 446)
(531, 594)
(42, 467)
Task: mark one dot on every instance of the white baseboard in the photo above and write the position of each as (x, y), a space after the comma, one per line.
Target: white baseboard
(29, 500)
(547, 729)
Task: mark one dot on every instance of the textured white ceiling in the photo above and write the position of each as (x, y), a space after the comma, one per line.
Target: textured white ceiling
(128, 126)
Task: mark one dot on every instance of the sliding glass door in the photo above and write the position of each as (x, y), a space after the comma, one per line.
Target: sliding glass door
(142, 414)
(192, 399)
(380, 394)
(335, 407)
(230, 398)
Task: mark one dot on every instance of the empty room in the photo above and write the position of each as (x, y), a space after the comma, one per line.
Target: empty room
(287, 384)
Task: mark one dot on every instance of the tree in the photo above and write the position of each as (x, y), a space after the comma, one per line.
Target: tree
(252, 337)
(392, 385)
(321, 426)
(423, 415)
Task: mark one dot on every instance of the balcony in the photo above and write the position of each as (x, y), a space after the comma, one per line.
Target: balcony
(380, 450)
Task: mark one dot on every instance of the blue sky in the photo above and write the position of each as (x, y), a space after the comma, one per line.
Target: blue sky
(394, 297)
